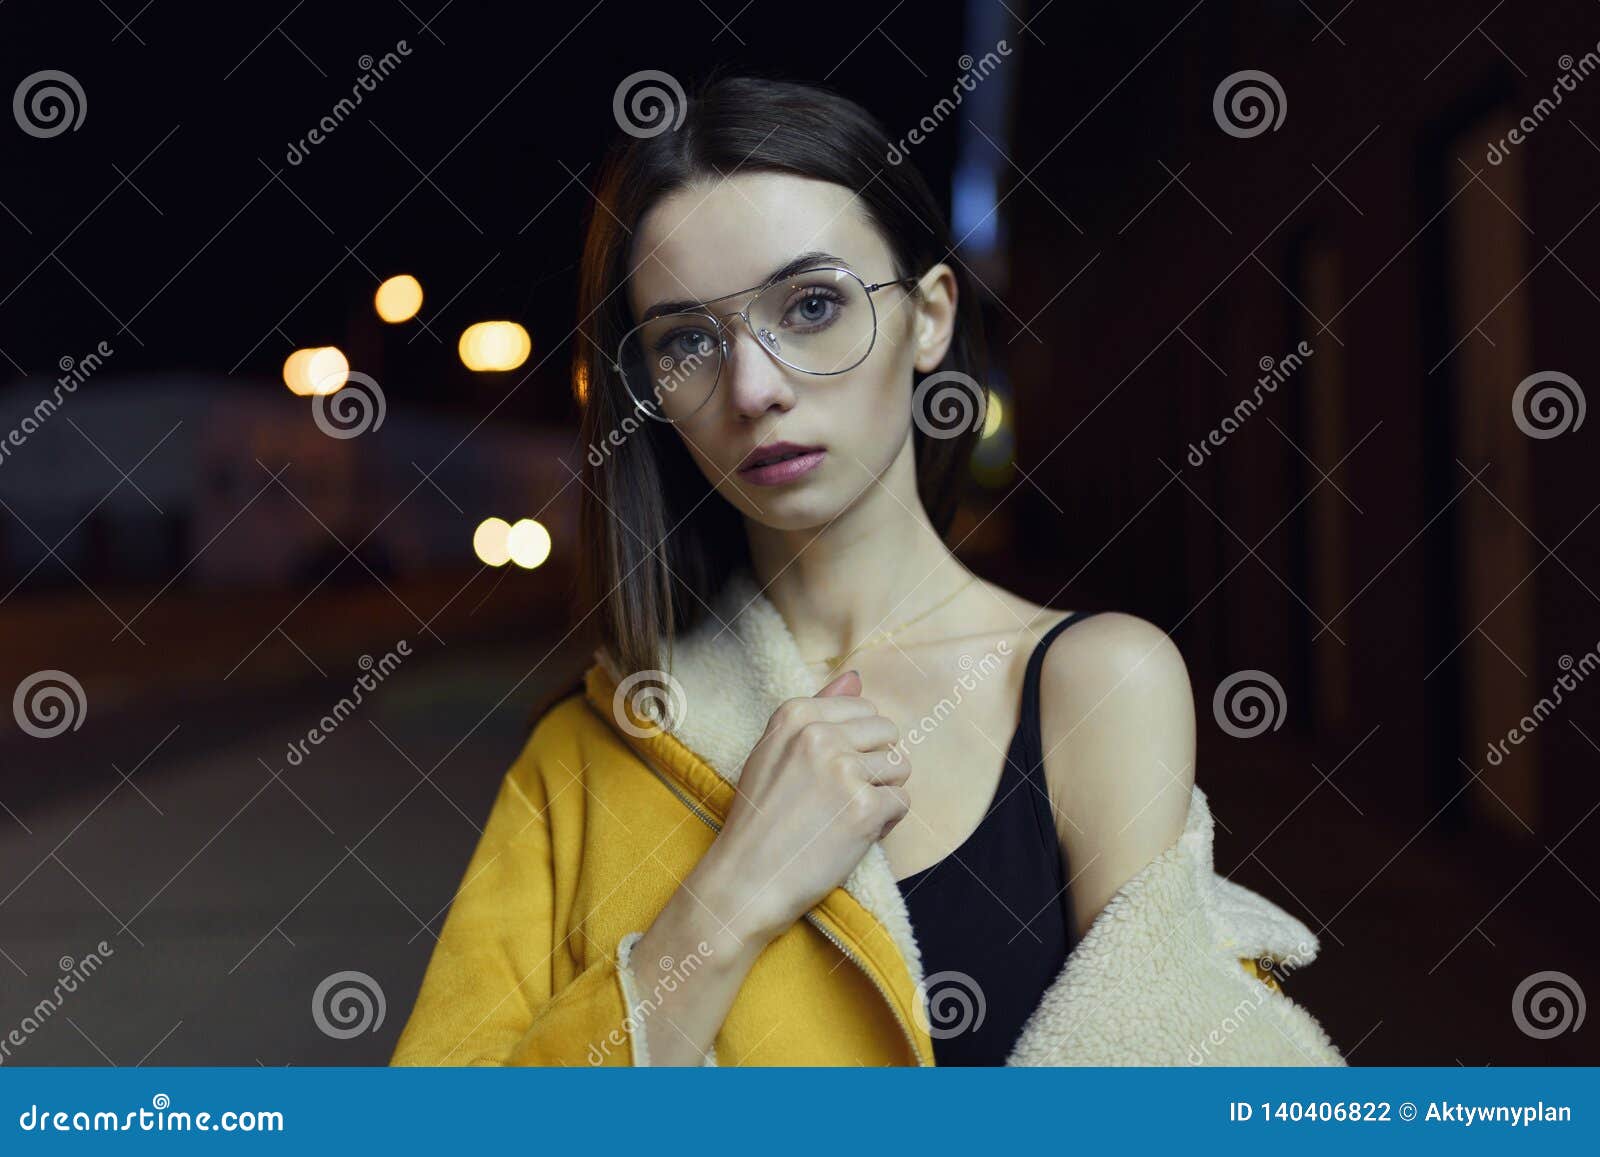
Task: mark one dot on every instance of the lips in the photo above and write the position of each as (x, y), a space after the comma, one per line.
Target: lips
(774, 452)
(780, 463)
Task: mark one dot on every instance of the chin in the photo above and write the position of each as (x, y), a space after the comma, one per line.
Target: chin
(792, 511)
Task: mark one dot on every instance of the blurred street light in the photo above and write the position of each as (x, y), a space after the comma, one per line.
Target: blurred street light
(494, 345)
(398, 299)
(529, 543)
(318, 370)
(490, 542)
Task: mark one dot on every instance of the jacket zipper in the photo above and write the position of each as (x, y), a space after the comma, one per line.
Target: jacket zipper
(883, 992)
(844, 950)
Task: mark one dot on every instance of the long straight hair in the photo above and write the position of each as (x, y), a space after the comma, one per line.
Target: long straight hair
(657, 540)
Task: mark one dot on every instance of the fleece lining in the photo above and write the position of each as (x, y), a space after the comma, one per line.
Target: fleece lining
(638, 1010)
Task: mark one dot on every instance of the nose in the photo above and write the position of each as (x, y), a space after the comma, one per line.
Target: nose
(755, 381)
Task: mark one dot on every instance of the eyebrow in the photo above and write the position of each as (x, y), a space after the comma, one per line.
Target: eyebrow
(803, 261)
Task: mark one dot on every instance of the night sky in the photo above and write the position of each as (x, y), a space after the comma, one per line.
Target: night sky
(172, 223)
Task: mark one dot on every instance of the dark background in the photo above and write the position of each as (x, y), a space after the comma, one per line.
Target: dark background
(1381, 538)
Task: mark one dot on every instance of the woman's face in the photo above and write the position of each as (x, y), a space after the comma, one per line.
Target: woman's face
(717, 237)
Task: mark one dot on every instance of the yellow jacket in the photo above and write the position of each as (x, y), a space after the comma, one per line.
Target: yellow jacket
(619, 791)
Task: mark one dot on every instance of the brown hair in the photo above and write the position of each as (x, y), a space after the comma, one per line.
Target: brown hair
(657, 541)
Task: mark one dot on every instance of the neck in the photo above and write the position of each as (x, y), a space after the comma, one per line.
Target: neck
(875, 565)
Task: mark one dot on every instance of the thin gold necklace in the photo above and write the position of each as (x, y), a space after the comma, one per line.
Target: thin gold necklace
(881, 637)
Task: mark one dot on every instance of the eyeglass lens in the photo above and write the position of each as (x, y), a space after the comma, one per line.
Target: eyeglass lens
(819, 321)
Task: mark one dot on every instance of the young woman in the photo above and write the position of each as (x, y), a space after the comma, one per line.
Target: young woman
(827, 796)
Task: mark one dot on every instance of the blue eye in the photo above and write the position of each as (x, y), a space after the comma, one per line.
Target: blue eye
(686, 343)
(817, 308)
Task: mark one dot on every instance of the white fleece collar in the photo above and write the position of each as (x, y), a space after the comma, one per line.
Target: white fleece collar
(741, 661)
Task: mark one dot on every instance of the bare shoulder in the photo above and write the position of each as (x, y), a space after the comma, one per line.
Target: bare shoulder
(1118, 728)
(1115, 656)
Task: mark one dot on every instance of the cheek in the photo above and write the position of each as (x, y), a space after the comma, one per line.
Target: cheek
(890, 398)
(869, 418)
(880, 405)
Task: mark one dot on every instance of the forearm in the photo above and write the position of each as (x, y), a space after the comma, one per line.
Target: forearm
(689, 964)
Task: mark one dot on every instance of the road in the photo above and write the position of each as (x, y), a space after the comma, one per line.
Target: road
(228, 883)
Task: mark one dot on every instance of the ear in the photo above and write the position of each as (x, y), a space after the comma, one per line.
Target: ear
(935, 323)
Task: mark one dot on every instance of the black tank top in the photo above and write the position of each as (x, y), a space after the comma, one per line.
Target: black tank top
(992, 918)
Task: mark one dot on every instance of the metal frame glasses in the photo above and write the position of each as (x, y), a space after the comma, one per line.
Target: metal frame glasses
(646, 388)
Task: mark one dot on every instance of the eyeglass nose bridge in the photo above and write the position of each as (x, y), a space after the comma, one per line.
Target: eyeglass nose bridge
(764, 337)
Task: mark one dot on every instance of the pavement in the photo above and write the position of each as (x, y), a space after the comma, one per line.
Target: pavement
(228, 883)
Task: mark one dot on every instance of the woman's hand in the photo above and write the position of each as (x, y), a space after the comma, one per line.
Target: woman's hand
(817, 790)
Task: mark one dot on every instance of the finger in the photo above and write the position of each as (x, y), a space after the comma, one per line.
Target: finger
(886, 768)
(896, 803)
(868, 732)
(849, 683)
(794, 714)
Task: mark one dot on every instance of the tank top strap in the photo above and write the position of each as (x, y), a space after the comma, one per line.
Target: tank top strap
(1030, 732)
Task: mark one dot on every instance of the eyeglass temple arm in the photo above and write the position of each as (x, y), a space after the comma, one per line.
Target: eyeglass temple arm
(877, 285)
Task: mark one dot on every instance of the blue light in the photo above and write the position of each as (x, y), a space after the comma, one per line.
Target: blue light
(972, 208)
